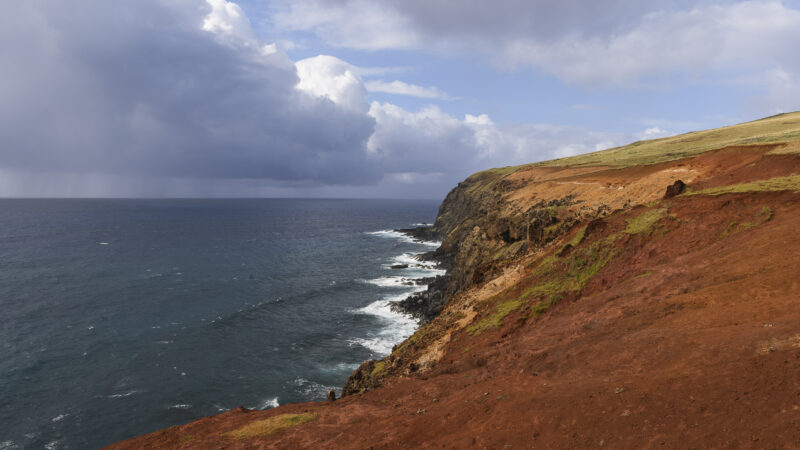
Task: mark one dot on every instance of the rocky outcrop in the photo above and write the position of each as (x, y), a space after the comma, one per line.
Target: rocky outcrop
(674, 189)
(425, 305)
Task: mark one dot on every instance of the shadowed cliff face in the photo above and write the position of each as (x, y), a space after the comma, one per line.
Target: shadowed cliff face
(584, 309)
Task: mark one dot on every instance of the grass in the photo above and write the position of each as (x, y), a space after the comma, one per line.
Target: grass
(785, 128)
(790, 183)
(379, 367)
(791, 148)
(570, 273)
(645, 221)
(762, 216)
(781, 131)
(507, 251)
(552, 277)
(263, 428)
(578, 238)
(495, 320)
(543, 305)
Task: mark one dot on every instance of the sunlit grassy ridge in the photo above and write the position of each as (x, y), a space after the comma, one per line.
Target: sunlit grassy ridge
(775, 129)
(783, 128)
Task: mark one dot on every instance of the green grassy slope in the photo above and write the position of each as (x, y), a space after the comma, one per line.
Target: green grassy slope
(783, 128)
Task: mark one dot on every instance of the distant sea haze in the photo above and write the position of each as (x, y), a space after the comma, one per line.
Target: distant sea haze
(123, 317)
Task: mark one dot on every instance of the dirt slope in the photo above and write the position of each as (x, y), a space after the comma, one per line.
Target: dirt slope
(588, 312)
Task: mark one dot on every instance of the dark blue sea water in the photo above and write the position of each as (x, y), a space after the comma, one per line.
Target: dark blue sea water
(122, 317)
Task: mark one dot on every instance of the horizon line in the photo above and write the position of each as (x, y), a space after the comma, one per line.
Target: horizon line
(217, 198)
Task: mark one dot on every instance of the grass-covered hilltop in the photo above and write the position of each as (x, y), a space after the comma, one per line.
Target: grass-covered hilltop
(587, 305)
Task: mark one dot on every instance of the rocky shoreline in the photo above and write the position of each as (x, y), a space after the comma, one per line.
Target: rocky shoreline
(426, 305)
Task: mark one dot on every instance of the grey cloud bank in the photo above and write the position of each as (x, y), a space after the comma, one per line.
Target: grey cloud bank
(181, 98)
(139, 88)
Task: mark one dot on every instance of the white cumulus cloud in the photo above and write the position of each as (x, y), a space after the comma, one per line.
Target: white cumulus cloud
(330, 77)
(402, 88)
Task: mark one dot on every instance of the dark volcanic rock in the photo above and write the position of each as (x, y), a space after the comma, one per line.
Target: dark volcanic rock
(675, 189)
(421, 233)
(331, 395)
(399, 266)
(425, 305)
(359, 380)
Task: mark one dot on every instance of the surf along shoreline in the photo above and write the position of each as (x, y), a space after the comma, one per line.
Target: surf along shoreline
(421, 306)
(425, 305)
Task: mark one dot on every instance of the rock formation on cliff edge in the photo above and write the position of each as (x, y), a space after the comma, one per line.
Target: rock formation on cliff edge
(587, 305)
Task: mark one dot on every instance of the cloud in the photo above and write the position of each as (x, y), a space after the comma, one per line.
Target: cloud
(228, 22)
(618, 43)
(175, 89)
(360, 24)
(181, 97)
(741, 37)
(654, 133)
(431, 141)
(401, 88)
(331, 78)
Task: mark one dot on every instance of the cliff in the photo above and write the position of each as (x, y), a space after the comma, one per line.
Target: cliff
(588, 305)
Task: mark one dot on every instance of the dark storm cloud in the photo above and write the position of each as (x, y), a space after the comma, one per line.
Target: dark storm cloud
(139, 88)
(541, 18)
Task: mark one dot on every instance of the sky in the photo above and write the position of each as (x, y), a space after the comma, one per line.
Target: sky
(364, 98)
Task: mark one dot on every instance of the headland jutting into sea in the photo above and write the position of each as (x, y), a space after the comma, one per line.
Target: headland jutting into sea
(642, 296)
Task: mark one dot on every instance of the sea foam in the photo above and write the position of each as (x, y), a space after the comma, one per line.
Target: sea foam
(270, 403)
(397, 326)
(389, 281)
(400, 236)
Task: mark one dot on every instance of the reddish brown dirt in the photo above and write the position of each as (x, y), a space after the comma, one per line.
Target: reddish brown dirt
(688, 339)
(616, 187)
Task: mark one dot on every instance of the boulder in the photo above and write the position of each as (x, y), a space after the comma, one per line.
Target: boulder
(676, 188)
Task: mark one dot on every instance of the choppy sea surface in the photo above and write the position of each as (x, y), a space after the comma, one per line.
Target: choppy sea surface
(122, 317)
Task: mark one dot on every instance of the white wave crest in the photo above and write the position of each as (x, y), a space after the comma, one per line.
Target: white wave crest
(389, 281)
(392, 234)
(416, 265)
(397, 327)
(313, 390)
(180, 406)
(270, 403)
(123, 395)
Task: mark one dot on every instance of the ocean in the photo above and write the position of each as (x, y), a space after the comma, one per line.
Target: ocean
(123, 317)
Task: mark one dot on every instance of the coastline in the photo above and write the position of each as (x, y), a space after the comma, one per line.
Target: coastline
(586, 308)
(425, 305)
(421, 306)
(414, 272)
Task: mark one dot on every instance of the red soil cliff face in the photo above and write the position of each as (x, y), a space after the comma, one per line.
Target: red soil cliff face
(674, 323)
